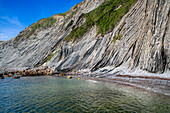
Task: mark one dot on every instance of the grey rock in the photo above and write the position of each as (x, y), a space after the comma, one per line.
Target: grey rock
(144, 45)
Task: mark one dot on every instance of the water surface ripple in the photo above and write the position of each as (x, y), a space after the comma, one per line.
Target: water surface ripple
(51, 94)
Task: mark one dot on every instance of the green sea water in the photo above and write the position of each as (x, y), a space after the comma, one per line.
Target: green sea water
(59, 95)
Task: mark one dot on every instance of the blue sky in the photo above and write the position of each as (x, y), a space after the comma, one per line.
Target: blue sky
(16, 15)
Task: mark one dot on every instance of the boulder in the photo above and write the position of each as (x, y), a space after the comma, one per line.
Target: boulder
(69, 77)
(16, 77)
(6, 75)
(1, 74)
(10, 75)
(2, 77)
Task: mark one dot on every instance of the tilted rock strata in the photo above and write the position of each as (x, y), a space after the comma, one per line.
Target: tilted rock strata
(144, 42)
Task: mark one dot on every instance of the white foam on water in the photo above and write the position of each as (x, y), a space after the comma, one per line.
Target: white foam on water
(92, 81)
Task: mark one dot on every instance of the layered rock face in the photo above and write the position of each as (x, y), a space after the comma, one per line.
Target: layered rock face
(140, 40)
(32, 51)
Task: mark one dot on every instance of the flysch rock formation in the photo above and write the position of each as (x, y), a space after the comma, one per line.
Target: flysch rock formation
(144, 43)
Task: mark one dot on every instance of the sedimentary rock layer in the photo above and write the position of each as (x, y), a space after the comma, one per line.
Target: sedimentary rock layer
(140, 40)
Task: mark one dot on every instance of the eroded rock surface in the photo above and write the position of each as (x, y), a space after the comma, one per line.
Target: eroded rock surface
(144, 42)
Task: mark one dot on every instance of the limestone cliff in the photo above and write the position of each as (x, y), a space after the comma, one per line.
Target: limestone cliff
(77, 39)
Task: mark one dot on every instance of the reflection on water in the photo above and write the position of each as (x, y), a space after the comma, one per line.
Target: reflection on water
(51, 94)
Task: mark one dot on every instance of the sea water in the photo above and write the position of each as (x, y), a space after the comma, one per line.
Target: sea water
(51, 94)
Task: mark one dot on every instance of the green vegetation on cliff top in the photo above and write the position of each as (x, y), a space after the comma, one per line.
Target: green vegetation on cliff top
(105, 17)
(41, 24)
(44, 23)
(64, 14)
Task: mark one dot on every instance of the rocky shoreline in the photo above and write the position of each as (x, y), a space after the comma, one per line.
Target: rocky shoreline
(155, 84)
(27, 72)
(150, 84)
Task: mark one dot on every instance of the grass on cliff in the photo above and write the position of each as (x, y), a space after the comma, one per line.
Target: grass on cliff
(105, 17)
(41, 24)
(44, 23)
(64, 14)
(118, 37)
(69, 24)
(49, 58)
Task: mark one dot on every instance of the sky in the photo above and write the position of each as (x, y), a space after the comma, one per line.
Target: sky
(16, 15)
